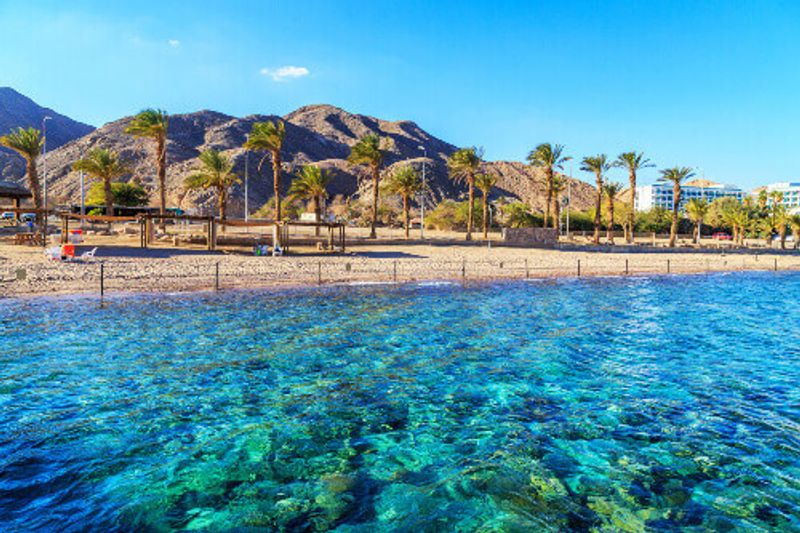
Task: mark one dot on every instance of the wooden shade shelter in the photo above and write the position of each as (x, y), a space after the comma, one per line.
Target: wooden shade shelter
(15, 192)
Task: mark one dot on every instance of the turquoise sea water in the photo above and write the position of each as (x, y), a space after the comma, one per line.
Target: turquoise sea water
(661, 404)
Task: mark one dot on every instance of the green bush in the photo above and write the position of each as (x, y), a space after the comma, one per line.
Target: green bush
(581, 220)
(123, 194)
(290, 209)
(450, 215)
(518, 215)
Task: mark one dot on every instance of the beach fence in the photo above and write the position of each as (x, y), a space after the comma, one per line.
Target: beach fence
(241, 272)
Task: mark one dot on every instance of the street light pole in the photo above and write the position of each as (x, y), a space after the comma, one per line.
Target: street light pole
(44, 172)
(569, 199)
(422, 199)
(489, 234)
(83, 196)
(246, 186)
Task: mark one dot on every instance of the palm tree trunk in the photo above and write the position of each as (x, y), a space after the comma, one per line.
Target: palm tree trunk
(549, 186)
(556, 212)
(376, 177)
(33, 183)
(485, 212)
(222, 198)
(161, 168)
(471, 211)
(406, 219)
(782, 233)
(316, 207)
(109, 197)
(610, 229)
(673, 230)
(697, 232)
(631, 214)
(276, 182)
(597, 207)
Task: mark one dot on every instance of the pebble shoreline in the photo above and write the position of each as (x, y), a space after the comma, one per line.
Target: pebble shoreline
(25, 271)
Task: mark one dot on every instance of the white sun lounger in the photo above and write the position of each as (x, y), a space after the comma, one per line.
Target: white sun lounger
(88, 256)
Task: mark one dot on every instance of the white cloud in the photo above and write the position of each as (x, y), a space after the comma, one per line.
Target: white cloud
(285, 73)
(174, 43)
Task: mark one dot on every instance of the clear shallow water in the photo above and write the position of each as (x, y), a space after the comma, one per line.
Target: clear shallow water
(615, 404)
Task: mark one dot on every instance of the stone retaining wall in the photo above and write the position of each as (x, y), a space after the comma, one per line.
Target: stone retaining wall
(535, 237)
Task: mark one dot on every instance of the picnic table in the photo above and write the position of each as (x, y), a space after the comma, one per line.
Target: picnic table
(32, 239)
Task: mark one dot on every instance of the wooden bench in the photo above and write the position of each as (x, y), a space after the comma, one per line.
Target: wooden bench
(32, 239)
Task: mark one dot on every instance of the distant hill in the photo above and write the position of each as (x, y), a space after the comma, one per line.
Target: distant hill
(320, 134)
(18, 110)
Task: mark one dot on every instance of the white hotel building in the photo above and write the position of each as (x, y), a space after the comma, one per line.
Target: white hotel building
(791, 194)
(660, 194)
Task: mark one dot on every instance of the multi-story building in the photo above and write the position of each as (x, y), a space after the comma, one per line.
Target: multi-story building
(789, 190)
(660, 194)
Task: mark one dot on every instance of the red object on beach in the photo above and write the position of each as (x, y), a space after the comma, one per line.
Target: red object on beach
(68, 250)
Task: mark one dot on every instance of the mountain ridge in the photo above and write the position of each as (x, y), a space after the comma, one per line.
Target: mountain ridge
(316, 133)
(17, 110)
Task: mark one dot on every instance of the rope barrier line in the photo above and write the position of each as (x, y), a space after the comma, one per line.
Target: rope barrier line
(218, 276)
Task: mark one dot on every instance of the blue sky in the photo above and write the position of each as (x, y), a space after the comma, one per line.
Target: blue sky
(713, 85)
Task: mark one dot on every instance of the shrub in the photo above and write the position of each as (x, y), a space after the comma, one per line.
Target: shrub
(451, 215)
(290, 209)
(518, 215)
(124, 194)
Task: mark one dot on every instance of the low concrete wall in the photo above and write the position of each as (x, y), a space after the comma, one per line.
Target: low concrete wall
(533, 237)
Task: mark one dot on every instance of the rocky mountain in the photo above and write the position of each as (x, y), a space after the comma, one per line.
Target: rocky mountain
(320, 134)
(18, 110)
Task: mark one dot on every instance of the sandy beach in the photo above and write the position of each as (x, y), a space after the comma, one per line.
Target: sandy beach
(25, 271)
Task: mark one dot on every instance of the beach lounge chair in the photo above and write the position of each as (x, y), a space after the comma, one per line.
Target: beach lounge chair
(88, 256)
(53, 253)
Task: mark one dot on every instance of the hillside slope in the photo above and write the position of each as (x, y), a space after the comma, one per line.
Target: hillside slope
(320, 134)
(17, 110)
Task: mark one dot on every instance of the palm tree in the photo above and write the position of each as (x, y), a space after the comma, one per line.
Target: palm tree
(28, 143)
(311, 184)
(153, 124)
(370, 151)
(559, 184)
(268, 137)
(741, 219)
(632, 161)
(463, 166)
(548, 157)
(782, 218)
(763, 198)
(215, 172)
(599, 165)
(404, 182)
(484, 182)
(104, 165)
(794, 223)
(611, 190)
(697, 209)
(777, 200)
(676, 175)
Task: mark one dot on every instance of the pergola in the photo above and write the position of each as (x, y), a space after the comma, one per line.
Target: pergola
(15, 192)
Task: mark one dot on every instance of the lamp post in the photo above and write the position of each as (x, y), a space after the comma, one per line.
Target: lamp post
(702, 198)
(422, 199)
(489, 234)
(569, 200)
(83, 196)
(246, 186)
(44, 173)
